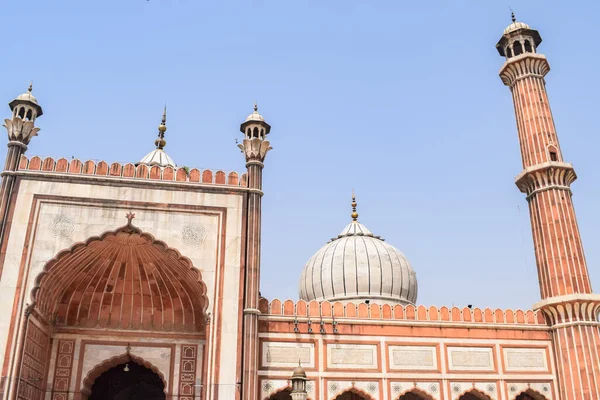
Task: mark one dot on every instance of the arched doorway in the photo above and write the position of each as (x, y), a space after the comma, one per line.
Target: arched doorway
(349, 395)
(474, 395)
(129, 381)
(413, 396)
(123, 280)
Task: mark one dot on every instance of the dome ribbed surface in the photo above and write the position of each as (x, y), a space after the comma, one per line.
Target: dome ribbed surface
(515, 26)
(358, 266)
(158, 157)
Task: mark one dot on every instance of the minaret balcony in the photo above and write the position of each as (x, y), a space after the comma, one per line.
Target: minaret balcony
(523, 66)
(549, 175)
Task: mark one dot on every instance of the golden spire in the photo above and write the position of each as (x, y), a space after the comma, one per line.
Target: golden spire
(162, 128)
(354, 213)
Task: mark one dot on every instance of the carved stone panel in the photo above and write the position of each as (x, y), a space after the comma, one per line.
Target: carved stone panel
(470, 359)
(413, 358)
(531, 360)
(362, 356)
(284, 354)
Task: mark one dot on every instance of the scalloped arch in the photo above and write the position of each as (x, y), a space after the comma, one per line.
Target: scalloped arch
(352, 390)
(533, 394)
(123, 279)
(416, 392)
(104, 366)
(477, 394)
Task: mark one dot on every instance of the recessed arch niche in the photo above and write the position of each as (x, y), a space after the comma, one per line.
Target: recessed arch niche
(124, 279)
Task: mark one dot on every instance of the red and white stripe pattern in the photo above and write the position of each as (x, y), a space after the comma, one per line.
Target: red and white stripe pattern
(562, 269)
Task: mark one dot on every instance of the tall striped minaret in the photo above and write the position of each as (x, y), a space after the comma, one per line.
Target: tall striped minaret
(566, 291)
(255, 147)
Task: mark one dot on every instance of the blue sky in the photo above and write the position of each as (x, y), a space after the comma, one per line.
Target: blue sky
(399, 100)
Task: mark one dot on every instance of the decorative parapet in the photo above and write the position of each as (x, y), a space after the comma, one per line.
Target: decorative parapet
(131, 171)
(339, 310)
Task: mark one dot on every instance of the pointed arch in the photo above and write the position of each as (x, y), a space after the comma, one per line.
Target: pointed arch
(99, 369)
(84, 285)
(346, 394)
(529, 394)
(473, 394)
(415, 394)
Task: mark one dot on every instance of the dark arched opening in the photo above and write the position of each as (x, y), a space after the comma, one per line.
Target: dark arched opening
(508, 52)
(528, 48)
(474, 395)
(350, 396)
(128, 381)
(517, 48)
(412, 396)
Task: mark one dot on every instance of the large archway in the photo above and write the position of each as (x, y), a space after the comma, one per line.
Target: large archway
(123, 283)
(128, 381)
(123, 279)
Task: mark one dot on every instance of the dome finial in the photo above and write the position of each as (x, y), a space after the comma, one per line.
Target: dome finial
(354, 213)
(512, 15)
(255, 106)
(30, 87)
(162, 128)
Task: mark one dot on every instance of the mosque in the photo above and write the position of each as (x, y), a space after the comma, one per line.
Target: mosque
(141, 281)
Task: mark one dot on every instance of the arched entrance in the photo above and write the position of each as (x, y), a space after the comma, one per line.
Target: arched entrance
(413, 395)
(350, 395)
(128, 381)
(474, 395)
(123, 280)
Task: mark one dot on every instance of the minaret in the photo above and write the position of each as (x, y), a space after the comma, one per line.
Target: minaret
(255, 147)
(565, 286)
(21, 128)
(299, 383)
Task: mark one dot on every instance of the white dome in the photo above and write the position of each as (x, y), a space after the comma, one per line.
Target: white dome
(515, 26)
(255, 116)
(158, 157)
(28, 97)
(358, 266)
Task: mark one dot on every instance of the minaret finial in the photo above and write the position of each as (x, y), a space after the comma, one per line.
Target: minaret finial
(162, 128)
(354, 213)
(255, 106)
(30, 86)
(512, 15)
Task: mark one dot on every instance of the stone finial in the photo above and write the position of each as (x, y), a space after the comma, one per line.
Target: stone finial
(130, 216)
(354, 204)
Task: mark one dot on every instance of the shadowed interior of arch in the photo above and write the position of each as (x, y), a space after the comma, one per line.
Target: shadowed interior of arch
(413, 395)
(474, 395)
(128, 381)
(123, 279)
(351, 395)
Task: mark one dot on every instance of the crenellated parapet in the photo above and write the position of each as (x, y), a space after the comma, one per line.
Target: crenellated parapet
(548, 175)
(75, 167)
(523, 66)
(380, 312)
